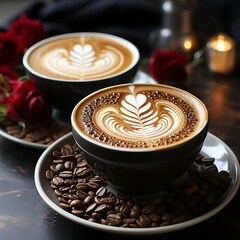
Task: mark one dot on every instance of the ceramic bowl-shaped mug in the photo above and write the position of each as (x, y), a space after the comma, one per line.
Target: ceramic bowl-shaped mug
(140, 137)
(68, 67)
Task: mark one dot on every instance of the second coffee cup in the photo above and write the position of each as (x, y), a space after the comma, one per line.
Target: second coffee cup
(68, 67)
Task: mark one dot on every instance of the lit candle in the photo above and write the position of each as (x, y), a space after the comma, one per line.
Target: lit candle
(221, 54)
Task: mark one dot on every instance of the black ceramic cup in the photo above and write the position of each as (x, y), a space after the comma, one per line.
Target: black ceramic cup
(140, 137)
(68, 67)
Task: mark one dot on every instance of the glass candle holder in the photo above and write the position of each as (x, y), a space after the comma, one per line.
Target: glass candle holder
(221, 52)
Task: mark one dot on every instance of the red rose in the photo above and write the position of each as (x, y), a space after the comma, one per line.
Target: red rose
(27, 31)
(27, 104)
(22, 34)
(9, 53)
(168, 66)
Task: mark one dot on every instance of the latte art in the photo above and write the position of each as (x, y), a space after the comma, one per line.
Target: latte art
(81, 58)
(138, 118)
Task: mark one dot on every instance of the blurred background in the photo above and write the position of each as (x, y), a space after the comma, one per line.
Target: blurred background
(139, 21)
(10, 7)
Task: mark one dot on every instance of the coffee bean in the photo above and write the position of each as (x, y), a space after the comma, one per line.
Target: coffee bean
(70, 181)
(81, 164)
(96, 216)
(65, 174)
(103, 221)
(93, 185)
(66, 150)
(89, 200)
(91, 208)
(108, 200)
(96, 179)
(53, 168)
(65, 206)
(58, 193)
(74, 191)
(125, 209)
(59, 167)
(135, 213)
(76, 203)
(101, 208)
(128, 220)
(78, 213)
(69, 165)
(49, 174)
(101, 191)
(56, 161)
(82, 186)
(73, 196)
(64, 188)
(58, 181)
(56, 154)
(114, 219)
(83, 171)
(144, 221)
(81, 194)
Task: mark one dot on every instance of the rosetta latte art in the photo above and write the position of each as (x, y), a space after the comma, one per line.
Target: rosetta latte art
(139, 116)
(133, 117)
(139, 119)
(83, 62)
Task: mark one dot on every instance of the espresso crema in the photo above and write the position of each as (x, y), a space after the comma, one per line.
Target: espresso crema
(81, 57)
(139, 116)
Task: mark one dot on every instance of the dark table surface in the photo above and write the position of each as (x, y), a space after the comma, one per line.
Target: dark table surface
(24, 215)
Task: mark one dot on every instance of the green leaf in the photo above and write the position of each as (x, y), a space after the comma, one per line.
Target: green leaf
(24, 78)
(4, 86)
(3, 110)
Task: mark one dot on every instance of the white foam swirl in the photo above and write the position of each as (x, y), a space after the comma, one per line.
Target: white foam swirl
(137, 118)
(84, 62)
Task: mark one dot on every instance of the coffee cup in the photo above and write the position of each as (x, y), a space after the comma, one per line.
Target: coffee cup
(140, 137)
(68, 67)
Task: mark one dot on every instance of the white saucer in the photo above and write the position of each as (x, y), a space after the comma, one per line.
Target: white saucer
(213, 147)
(140, 77)
(22, 142)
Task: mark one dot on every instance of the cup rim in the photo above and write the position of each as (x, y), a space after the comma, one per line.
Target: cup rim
(126, 43)
(201, 105)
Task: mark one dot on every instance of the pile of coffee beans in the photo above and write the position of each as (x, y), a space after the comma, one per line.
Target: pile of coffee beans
(82, 193)
(42, 135)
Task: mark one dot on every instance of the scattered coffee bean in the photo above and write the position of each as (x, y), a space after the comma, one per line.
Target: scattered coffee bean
(82, 193)
(42, 135)
(114, 219)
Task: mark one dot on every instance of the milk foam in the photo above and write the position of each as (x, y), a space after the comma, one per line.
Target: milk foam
(83, 61)
(81, 58)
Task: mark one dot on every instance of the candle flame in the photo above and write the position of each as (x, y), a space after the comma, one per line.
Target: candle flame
(221, 46)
